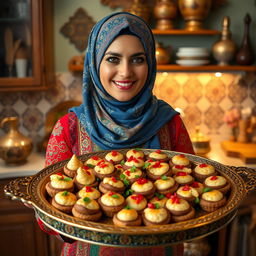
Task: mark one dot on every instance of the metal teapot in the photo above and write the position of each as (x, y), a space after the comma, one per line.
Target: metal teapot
(14, 146)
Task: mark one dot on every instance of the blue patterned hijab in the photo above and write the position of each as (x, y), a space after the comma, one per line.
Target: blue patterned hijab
(112, 124)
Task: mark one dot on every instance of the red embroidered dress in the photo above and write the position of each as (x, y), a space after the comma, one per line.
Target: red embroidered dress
(69, 138)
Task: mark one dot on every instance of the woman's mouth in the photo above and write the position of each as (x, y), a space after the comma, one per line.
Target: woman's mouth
(124, 85)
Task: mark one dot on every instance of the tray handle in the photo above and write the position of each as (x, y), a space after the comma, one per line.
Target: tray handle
(248, 175)
(17, 189)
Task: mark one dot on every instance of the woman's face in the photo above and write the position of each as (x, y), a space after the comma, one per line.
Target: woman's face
(124, 68)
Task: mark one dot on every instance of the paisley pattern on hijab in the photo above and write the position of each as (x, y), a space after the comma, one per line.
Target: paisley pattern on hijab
(112, 124)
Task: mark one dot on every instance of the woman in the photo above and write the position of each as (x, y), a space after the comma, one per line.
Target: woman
(118, 110)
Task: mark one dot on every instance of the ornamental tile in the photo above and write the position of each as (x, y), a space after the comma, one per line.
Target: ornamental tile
(192, 90)
(213, 117)
(238, 91)
(33, 119)
(56, 94)
(31, 98)
(8, 98)
(215, 90)
(193, 117)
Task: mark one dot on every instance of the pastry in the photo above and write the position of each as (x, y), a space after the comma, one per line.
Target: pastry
(133, 161)
(93, 160)
(111, 203)
(144, 187)
(212, 200)
(217, 182)
(198, 186)
(137, 153)
(182, 178)
(114, 157)
(181, 168)
(85, 177)
(188, 193)
(59, 182)
(104, 169)
(111, 184)
(137, 202)
(72, 165)
(203, 171)
(158, 155)
(180, 209)
(158, 169)
(88, 191)
(154, 215)
(159, 199)
(166, 185)
(87, 209)
(127, 217)
(64, 201)
(180, 159)
(131, 175)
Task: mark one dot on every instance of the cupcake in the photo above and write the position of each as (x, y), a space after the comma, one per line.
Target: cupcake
(217, 182)
(159, 199)
(87, 209)
(59, 182)
(203, 171)
(72, 165)
(166, 185)
(154, 215)
(88, 191)
(158, 169)
(133, 162)
(127, 217)
(111, 203)
(137, 202)
(93, 161)
(182, 178)
(212, 200)
(180, 159)
(114, 157)
(181, 168)
(198, 186)
(158, 155)
(180, 209)
(144, 187)
(104, 169)
(131, 175)
(64, 201)
(85, 177)
(111, 184)
(136, 153)
(188, 193)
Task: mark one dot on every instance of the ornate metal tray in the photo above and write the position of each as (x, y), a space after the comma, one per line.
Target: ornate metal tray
(31, 190)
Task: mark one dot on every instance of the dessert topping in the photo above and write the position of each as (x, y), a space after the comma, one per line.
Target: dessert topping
(179, 166)
(203, 165)
(88, 189)
(175, 199)
(158, 151)
(195, 184)
(114, 153)
(157, 164)
(113, 179)
(132, 158)
(138, 198)
(86, 199)
(142, 181)
(186, 188)
(181, 174)
(214, 178)
(95, 158)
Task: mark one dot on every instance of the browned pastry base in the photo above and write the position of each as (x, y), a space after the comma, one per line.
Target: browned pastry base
(188, 216)
(91, 217)
(102, 176)
(110, 211)
(223, 190)
(155, 159)
(80, 185)
(201, 178)
(122, 223)
(63, 208)
(190, 199)
(168, 190)
(156, 177)
(148, 194)
(68, 172)
(53, 191)
(104, 188)
(212, 206)
(150, 223)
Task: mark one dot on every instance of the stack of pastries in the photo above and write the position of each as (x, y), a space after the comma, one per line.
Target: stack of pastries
(134, 188)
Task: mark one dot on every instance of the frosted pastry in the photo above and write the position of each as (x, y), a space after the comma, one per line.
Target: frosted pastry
(144, 187)
(64, 201)
(111, 184)
(85, 177)
(127, 217)
(72, 165)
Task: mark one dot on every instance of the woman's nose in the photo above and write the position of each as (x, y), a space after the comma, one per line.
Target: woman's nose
(125, 69)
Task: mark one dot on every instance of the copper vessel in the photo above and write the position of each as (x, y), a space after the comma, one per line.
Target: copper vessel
(140, 9)
(14, 146)
(194, 12)
(162, 54)
(224, 50)
(165, 11)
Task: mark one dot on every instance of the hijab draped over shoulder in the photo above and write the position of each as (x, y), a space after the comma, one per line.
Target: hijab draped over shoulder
(112, 124)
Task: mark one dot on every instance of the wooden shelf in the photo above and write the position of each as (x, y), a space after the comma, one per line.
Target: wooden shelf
(185, 32)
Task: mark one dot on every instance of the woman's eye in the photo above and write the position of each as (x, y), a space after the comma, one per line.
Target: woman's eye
(112, 59)
(138, 60)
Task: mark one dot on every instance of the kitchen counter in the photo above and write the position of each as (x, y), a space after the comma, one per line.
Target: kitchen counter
(35, 163)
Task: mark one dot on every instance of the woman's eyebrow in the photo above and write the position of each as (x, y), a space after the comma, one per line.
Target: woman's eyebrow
(120, 55)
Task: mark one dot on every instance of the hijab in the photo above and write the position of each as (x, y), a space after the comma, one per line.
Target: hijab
(112, 124)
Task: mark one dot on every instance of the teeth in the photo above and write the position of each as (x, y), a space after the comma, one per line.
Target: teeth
(123, 84)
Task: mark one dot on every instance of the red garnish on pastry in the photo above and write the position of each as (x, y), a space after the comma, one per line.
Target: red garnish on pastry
(87, 172)
(128, 173)
(113, 179)
(181, 174)
(132, 158)
(61, 175)
(157, 165)
(195, 184)
(186, 188)
(95, 158)
(168, 195)
(203, 165)
(175, 199)
(151, 206)
(114, 153)
(85, 167)
(138, 198)
(142, 181)
(214, 178)
(111, 193)
(181, 155)
(179, 166)
(88, 189)
(102, 164)
(158, 151)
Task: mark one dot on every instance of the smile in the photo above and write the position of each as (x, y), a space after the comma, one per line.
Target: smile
(124, 85)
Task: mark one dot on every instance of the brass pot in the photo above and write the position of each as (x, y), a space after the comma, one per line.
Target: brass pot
(162, 54)
(165, 11)
(194, 12)
(201, 143)
(140, 9)
(14, 146)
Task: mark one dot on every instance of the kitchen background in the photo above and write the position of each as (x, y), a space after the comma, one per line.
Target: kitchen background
(203, 97)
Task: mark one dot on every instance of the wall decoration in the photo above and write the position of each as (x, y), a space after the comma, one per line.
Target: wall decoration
(78, 28)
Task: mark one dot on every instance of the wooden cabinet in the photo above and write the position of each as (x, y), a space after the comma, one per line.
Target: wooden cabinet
(26, 45)
(19, 231)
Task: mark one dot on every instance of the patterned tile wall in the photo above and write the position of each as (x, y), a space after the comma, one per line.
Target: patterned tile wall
(202, 97)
